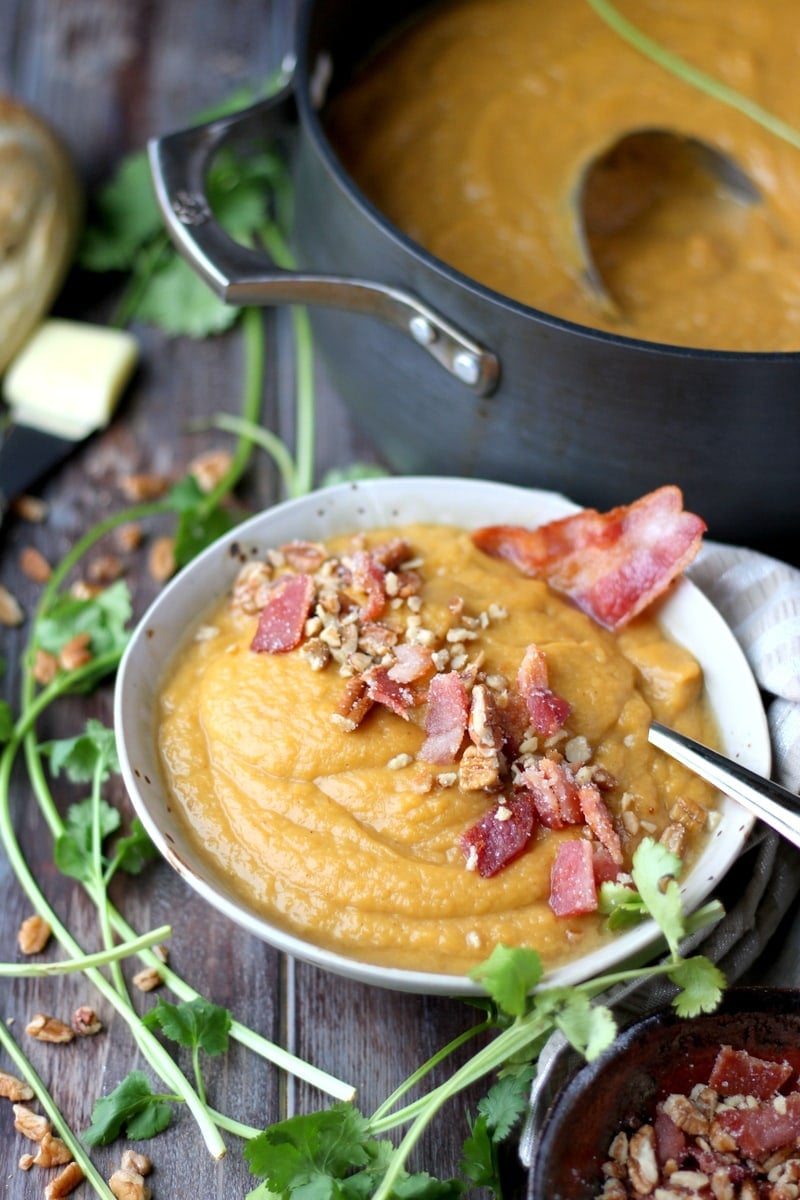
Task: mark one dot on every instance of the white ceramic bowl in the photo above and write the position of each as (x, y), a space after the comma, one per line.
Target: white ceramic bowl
(686, 616)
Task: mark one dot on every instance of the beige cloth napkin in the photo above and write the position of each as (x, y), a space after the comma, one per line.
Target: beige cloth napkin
(759, 598)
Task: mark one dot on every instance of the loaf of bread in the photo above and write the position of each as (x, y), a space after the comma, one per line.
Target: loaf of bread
(40, 209)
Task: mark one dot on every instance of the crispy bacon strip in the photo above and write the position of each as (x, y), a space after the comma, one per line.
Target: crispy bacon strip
(737, 1073)
(760, 1130)
(369, 576)
(412, 661)
(392, 694)
(446, 720)
(547, 711)
(611, 564)
(283, 617)
(554, 792)
(598, 818)
(499, 836)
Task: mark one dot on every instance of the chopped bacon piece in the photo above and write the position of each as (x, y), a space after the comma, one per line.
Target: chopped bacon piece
(606, 868)
(392, 553)
(383, 689)
(760, 1130)
(612, 564)
(737, 1073)
(369, 576)
(412, 661)
(572, 886)
(546, 710)
(671, 1141)
(598, 818)
(355, 703)
(446, 720)
(554, 792)
(514, 721)
(283, 617)
(499, 836)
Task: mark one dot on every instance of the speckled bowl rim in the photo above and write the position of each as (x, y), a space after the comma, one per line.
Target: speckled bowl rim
(686, 615)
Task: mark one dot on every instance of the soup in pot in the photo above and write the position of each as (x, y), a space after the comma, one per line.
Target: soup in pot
(474, 128)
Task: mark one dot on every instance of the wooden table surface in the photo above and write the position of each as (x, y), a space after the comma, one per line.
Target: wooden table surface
(109, 74)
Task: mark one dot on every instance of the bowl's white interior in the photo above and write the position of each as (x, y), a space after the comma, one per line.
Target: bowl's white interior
(686, 615)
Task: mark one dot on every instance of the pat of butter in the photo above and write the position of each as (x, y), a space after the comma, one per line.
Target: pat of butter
(67, 378)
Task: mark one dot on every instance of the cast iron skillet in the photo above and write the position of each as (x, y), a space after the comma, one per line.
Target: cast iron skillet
(447, 376)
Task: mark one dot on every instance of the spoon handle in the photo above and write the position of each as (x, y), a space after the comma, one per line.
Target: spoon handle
(776, 806)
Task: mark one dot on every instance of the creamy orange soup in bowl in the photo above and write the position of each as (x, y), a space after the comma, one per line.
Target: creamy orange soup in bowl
(390, 725)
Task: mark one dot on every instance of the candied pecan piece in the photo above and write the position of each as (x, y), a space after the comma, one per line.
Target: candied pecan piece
(483, 725)
(76, 652)
(52, 1152)
(34, 565)
(49, 1029)
(45, 667)
(85, 1021)
(10, 608)
(129, 1185)
(30, 1124)
(686, 1115)
(209, 468)
(15, 1089)
(305, 557)
(643, 1168)
(64, 1183)
(25, 1162)
(143, 487)
(147, 980)
(34, 934)
(161, 559)
(30, 508)
(105, 569)
(132, 1160)
(354, 704)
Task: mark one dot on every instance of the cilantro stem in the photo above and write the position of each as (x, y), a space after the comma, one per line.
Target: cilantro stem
(266, 440)
(388, 1104)
(83, 961)
(246, 1132)
(693, 75)
(53, 1113)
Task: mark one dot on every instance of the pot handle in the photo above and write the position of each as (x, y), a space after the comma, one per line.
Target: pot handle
(238, 275)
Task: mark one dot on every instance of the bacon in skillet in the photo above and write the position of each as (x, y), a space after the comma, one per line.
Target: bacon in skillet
(283, 617)
(611, 564)
(737, 1073)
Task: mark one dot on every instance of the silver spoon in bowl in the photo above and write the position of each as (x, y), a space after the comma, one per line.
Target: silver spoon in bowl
(776, 806)
(628, 176)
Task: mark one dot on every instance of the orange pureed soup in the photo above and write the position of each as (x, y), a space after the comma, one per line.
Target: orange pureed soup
(471, 130)
(321, 811)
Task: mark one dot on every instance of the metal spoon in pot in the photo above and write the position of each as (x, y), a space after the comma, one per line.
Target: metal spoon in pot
(776, 806)
(628, 177)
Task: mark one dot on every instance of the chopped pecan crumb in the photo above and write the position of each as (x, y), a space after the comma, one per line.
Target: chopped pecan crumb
(85, 1021)
(147, 979)
(64, 1183)
(52, 1152)
(305, 557)
(354, 704)
(45, 667)
(30, 1124)
(143, 487)
(14, 1089)
(642, 1162)
(688, 812)
(161, 559)
(34, 934)
(49, 1029)
(479, 769)
(209, 468)
(129, 1185)
(316, 653)
(674, 838)
(251, 588)
(34, 565)
(76, 652)
(10, 608)
(132, 1160)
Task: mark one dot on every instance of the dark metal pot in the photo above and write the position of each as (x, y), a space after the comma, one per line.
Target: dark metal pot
(446, 376)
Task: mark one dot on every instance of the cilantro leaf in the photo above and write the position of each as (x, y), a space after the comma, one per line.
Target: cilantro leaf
(178, 301)
(622, 905)
(132, 1108)
(325, 1144)
(135, 850)
(103, 617)
(701, 983)
(509, 974)
(655, 870)
(590, 1028)
(72, 852)
(79, 757)
(126, 217)
(479, 1157)
(193, 1023)
(505, 1102)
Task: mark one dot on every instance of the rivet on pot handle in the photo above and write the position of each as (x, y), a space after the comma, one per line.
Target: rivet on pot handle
(238, 275)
